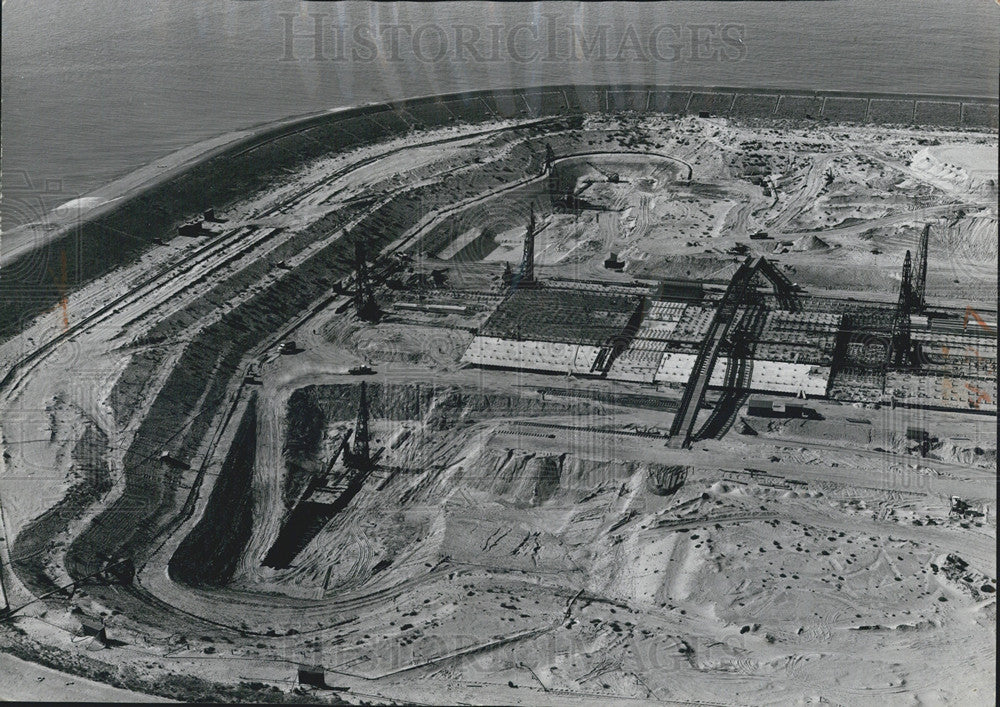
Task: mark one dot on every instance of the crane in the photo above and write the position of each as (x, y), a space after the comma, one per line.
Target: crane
(362, 295)
(612, 177)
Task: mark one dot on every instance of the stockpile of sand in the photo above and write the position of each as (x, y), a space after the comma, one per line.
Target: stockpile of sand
(968, 167)
(973, 236)
(951, 450)
(810, 243)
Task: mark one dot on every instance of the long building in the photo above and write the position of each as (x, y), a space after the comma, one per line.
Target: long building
(826, 348)
(558, 330)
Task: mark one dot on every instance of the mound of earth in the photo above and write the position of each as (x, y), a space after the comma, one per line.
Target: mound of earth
(810, 243)
(973, 236)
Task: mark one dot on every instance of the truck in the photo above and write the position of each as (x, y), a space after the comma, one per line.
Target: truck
(360, 370)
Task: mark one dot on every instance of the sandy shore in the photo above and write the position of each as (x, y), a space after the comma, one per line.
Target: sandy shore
(59, 220)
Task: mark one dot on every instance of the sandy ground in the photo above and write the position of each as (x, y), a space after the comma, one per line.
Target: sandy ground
(22, 681)
(521, 542)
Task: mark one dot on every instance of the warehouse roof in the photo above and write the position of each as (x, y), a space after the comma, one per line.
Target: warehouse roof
(566, 315)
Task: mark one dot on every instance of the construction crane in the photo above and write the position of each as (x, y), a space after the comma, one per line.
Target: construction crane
(553, 178)
(570, 200)
(612, 177)
(359, 455)
(363, 296)
(900, 348)
(528, 259)
(920, 282)
(550, 156)
(525, 277)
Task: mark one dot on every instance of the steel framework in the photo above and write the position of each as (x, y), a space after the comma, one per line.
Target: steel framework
(920, 282)
(900, 348)
(738, 292)
(360, 454)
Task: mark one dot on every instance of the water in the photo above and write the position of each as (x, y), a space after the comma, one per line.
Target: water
(94, 89)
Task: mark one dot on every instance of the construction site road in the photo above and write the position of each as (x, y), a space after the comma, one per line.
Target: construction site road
(894, 471)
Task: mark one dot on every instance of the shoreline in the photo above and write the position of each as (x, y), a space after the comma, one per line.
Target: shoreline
(58, 221)
(114, 224)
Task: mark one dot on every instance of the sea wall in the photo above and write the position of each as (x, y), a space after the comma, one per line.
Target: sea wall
(28, 285)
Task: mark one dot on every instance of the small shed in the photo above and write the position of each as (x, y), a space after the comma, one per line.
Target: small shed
(192, 230)
(768, 407)
(760, 407)
(613, 263)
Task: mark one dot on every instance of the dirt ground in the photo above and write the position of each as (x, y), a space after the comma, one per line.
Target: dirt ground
(524, 538)
(28, 682)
